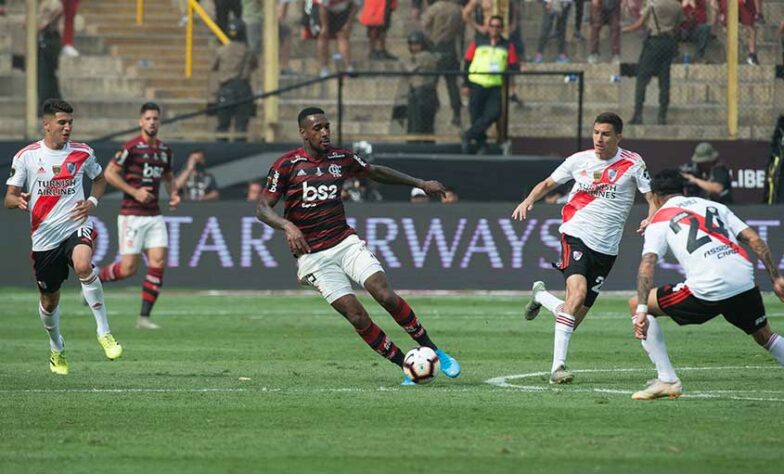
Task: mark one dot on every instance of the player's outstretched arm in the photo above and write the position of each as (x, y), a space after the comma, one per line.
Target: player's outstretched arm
(749, 237)
(16, 199)
(644, 285)
(521, 211)
(266, 214)
(387, 175)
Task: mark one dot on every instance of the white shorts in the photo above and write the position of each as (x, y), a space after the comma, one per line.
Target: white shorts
(135, 233)
(329, 270)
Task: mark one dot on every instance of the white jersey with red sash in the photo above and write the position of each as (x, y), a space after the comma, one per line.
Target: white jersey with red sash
(602, 196)
(702, 236)
(54, 180)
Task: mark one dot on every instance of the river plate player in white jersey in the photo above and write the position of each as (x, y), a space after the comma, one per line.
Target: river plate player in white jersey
(703, 235)
(52, 171)
(606, 180)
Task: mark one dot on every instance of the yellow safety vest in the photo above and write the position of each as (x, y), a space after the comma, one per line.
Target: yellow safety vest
(489, 58)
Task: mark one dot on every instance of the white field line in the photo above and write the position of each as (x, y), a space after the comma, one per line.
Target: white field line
(746, 395)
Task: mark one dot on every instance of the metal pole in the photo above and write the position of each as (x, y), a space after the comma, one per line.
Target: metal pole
(732, 69)
(580, 97)
(189, 43)
(340, 110)
(271, 70)
(139, 12)
(31, 70)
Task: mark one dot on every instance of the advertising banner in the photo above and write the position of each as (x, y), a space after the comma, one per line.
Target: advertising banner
(421, 246)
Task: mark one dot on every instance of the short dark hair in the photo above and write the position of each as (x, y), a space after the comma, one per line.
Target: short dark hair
(666, 182)
(149, 106)
(197, 150)
(307, 112)
(612, 118)
(496, 17)
(52, 106)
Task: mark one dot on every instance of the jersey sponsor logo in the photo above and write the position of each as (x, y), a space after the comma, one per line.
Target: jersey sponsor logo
(760, 320)
(273, 181)
(359, 160)
(297, 159)
(336, 156)
(56, 187)
(120, 156)
(150, 171)
(312, 194)
(577, 255)
(335, 170)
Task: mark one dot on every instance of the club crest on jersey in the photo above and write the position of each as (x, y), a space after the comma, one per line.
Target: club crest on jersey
(335, 170)
(577, 255)
(71, 167)
(56, 169)
(612, 174)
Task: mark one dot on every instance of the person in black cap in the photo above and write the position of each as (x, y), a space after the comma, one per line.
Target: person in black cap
(707, 177)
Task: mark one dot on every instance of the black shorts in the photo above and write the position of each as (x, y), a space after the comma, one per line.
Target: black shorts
(51, 266)
(745, 311)
(578, 259)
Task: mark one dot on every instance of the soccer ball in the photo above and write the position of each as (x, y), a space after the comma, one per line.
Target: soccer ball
(421, 365)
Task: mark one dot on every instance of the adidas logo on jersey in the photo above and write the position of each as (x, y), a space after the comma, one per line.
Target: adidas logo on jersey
(301, 173)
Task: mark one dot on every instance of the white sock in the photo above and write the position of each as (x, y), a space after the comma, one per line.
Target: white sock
(552, 303)
(93, 294)
(564, 327)
(657, 351)
(51, 323)
(775, 346)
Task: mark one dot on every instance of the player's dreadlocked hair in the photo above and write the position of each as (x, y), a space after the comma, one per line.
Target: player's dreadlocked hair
(307, 112)
(52, 106)
(666, 182)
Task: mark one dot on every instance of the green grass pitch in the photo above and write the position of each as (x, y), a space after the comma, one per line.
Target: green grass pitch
(248, 383)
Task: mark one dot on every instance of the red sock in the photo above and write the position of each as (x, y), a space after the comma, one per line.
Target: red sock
(151, 288)
(379, 342)
(405, 317)
(111, 272)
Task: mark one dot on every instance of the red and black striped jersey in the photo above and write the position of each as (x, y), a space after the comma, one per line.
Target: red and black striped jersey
(143, 165)
(311, 189)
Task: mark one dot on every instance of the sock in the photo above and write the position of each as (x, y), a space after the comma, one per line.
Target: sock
(379, 342)
(111, 272)
(775, 346)
(151, 288)
(657, 351)
(564, 327)
(92, 289)
(549, 301)
(51, 323)
(405, 317)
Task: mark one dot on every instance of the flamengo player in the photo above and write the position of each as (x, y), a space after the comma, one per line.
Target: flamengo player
(328, 251)
(606, 180)
(137, 171)
(703, 235)
(52, 171)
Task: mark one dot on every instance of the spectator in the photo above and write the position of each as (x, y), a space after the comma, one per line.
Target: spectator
(418, 195)
(707, 178)
(554, 11)
(3, 9)
(376, 16)
(605, 12)
(747, 11)
(222, 10)
(579, 12)
(419, 92)
(450, 196)
(662, 18)
(49, 14)
(417, 8)
(255, 187)
(251, 17)
(758, 16)
(489, 54)
(781, 38)
(336, 17)
(284, 38)
(443, 24)
(234, 63)
(695, 27)
(476, 14)
(69, 14)
(194, 182)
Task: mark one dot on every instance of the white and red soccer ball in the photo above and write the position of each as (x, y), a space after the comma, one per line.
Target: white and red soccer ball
(421, 365)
